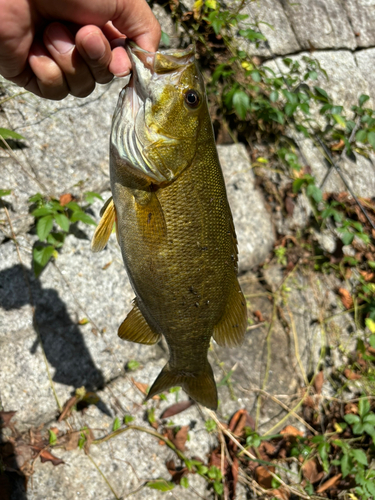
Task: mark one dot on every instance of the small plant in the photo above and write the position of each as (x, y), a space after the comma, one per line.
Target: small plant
(53, 220)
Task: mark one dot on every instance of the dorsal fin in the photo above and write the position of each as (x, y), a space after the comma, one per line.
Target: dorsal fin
(230, 331)
(105, 226)
(136, 329)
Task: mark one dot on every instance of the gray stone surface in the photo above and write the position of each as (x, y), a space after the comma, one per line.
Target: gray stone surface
(321, 24)
(251, 219)
(361, 14)
(365, 60)
(278, 31)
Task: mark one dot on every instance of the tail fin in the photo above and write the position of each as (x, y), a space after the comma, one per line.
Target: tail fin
(200, 386)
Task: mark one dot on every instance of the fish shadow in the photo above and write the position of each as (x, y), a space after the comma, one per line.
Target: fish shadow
(62, 340)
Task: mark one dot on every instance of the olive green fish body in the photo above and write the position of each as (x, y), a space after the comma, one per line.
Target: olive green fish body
(176, 232)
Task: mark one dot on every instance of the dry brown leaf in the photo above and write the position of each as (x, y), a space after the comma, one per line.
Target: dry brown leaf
(46, 456)
(263, 476)
(71, 440)
(351, 408)
(6, 417)
(68, 408)
(106, 266)
(177, 473)
(259, 316)
(65, 199)
(239, 421)
(338, 145)
(281, 493)
(176, 408)
(179, 438)
(346, 298)
(266, 450)
(143, 388)
(310, 471)
(351, 375)
(289, 206)
(290, 430)
(367, 276)
(318, 382)
(328, 484)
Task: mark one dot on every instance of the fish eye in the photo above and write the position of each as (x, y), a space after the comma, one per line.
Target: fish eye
(192, 98)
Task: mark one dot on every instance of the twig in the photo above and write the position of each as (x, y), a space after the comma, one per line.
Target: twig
(295, 415)
(24, 170)
(103, 476)
(252, 457)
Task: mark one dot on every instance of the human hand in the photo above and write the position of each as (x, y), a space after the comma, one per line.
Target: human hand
(54, 48)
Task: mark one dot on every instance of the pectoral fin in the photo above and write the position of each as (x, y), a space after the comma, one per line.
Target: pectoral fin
(230, 330)
(136, 329)
(151, 219)
(199, 386)
(105, 226)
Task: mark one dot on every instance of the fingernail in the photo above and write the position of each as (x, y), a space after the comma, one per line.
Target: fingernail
(94, 46)
(59, 38)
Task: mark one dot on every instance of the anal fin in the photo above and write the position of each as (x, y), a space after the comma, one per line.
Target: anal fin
(105, 226)
(230, 331)
(136, 329)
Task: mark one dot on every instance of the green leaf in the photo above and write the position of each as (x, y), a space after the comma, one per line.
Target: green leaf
(165, 40)
(360, 456)
(210, 425)
(128, 419)
(63, 221)
(41, 256)
(363, 98)
(241, 103)
(345, 465)
(184, 482)
(218, 487)
(201, 469)
(358, 428)
(314, 192)
(297, 184)
(5, 192)
(361, 136)
(350, 418)
(91, 195)
(73, 206)
(9, 134)
(274, 95)
(44, 227)
(305, 108)
(363, 407)
(160, 484)
(132, 365)
(116, 424)
(371, 139)
(52, 437)
(255, 75)
(347, 237)
(290, 108)
(36, 198)
(83, 217)
(339, 120)
(42, 211)
(319, 91)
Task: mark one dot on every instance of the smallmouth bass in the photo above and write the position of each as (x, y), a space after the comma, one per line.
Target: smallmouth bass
(173, 220)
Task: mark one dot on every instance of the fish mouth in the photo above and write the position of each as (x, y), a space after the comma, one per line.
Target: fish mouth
(132, 132)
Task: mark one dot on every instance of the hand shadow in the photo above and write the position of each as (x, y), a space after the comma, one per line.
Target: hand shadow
(62, 339)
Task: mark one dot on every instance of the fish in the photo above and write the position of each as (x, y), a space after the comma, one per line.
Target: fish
(173, 221)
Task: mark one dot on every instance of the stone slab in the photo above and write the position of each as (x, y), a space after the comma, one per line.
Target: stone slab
(361, 15)
(320, 24)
